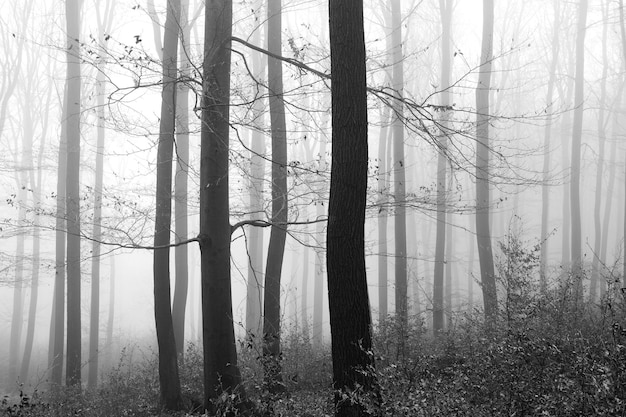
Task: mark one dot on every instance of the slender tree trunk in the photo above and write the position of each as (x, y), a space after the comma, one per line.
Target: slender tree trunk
(57, 323)
(94, 326)
(181, 257)
(254, 294)
(623, 33)
(545, 196)
(399, 181)
(576, 244)
(350, 318)
(595, 267)
(111, 318)
(276, 249)
(383, 215)
(221, 373)
(73, 368)
(483, 236)
(168, 360)
(318, 284)
(445, 9)
(448, 307)
(34, 285)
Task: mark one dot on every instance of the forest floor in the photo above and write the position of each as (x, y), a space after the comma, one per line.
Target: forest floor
(549, 356)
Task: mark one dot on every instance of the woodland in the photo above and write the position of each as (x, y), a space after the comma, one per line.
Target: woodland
(312, 208)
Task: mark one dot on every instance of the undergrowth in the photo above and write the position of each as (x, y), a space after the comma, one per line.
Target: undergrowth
(549, 355)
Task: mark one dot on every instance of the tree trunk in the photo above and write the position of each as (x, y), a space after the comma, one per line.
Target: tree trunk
(595, 268)
(221, 373)
(445, 9)
(168, 360)
(276, 249)
(399, 181)
(579, 91)
(545, 196)
(73, 368)
(57, 323)
(94, 325)
(181, 259)
(383, 215)
(483, 236)
(254, 296)
(350, 318)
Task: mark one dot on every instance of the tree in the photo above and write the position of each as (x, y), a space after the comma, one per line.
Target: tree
(181, 258)
(350, 319)
(168, 360)
(579, 91)
(276, 249)
(221, 373)
(104, 26)
(545, 197)
(483, 236)
(445, 10)
(73, 368)
(399, 174)
(254, 296)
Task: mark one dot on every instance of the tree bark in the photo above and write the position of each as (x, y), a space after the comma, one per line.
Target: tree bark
(168, 360)
(221, 373)
(350, 318)
(483, 236)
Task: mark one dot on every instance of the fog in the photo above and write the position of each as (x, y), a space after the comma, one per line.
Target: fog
(32, 84)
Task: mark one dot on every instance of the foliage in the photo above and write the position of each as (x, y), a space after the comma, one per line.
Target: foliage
(550, 354)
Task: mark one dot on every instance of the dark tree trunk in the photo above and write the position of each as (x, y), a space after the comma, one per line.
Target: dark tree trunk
(168, 361)
(276, 249)
(483, 235)
(350, 318)
(221, 373)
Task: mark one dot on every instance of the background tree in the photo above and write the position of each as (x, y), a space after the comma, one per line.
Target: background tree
(483, 235)
(73, 369)
(579, 91)
(445, 10)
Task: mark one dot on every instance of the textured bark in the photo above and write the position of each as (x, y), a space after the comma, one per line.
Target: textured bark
(168, 361)
(73, 368)
(181, 258)
(483, 236)
(221, 373)
(545, 196)
(276, 249)
(576, 242)
(111, 317)
(445, 9)
(350, 318)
